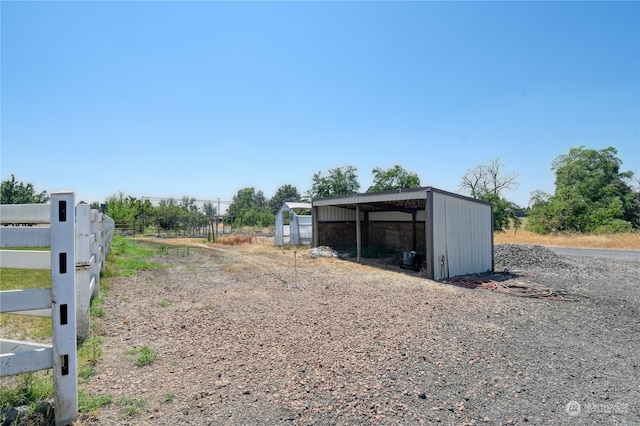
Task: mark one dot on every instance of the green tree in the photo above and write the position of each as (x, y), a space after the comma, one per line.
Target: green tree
(209, 210)
(505, 212)
(121, 208)
(168, 214)
(283, 194)
(393, 178)
(130, 211)
(188, 204)
(340, 181)
(592, 195)
(14, 192)
(249, 207)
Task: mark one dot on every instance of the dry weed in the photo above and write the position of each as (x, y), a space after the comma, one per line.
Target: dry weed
(629, 241)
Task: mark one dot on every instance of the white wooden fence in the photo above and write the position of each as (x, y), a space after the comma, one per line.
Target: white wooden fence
(79, 239)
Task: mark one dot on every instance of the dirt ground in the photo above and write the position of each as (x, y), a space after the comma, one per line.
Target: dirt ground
(253, 334)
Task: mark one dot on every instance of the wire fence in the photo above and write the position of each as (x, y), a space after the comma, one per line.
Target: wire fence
(189, 227)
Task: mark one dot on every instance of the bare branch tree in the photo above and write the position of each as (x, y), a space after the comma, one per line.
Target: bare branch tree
(488, 179)
(497, 180)
(474, 180)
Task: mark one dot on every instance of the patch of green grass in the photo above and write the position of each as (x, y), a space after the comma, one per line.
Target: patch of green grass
(164, 302)
(168, 397)
(96, 308)
(90, 349)
(85, 372)
(88, 404)
(130, 407)
(27, 389)
(128, 256)
(23, 327)
(142, 356)
(15, 279)
(205, 307)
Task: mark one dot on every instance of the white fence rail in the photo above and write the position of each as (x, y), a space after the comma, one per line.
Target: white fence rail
(79, 239)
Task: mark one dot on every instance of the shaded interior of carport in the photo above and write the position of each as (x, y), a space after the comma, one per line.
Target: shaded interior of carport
(453, 233)
(400, 232)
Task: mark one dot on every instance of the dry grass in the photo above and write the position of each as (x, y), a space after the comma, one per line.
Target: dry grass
(629, 241)
(235, 239)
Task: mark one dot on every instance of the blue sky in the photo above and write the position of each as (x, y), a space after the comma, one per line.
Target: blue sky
(202, 99)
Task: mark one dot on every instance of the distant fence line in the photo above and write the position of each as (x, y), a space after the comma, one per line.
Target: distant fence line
(79, 239)
(189, 226)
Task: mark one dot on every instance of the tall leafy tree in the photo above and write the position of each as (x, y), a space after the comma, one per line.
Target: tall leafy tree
(188, 204)
(505, 213)
(340, 181)
(249, 207)
(14, 192)
(209, 210)
(283, 194)
(130, 210)
(168, 214)
(122, 208)
(394, 178)
(592, 195)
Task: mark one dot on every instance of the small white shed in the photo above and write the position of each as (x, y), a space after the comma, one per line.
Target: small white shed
(294, 224)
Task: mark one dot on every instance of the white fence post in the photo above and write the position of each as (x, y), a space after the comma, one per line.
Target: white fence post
(83, 269)
(63, 307)
(97, 250)
(80, 239)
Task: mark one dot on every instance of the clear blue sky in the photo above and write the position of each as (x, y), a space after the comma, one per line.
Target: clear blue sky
(202, 99)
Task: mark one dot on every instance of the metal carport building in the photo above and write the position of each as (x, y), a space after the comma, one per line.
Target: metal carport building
(454, 232)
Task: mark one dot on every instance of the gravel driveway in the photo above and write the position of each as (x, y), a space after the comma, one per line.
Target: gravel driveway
(369, 344)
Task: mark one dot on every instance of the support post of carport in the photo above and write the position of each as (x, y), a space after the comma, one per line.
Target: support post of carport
(358, 234)
(314, 229)
(414, 245)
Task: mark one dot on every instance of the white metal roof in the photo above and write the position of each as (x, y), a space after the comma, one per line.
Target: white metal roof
(294, 205)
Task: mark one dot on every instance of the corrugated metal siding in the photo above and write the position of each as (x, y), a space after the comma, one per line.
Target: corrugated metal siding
(372, 197)
(335, 214)
(396, 216)
(462, 233)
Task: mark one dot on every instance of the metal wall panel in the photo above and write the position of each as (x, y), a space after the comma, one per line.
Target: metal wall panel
(462, 232)
(373, 197)
(392, 216)
(335, 214)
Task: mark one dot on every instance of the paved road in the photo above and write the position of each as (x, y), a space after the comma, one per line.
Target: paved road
(609, 254)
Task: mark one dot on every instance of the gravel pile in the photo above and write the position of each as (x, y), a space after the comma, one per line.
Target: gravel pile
(513, 257)
(359, 345)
